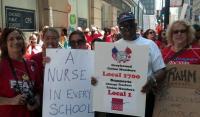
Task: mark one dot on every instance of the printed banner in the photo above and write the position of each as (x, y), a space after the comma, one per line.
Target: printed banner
(180, 95)
(67, 83)
(121, 74)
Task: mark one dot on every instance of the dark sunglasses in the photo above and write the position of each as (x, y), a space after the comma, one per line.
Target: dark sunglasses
(79, 42)
(125, 28)
(151, 32)
(181, 31)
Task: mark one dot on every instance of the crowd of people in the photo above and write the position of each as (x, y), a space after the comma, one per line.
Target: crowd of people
(22, 61)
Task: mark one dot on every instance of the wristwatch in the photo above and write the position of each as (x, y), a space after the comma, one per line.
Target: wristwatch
(153, 80)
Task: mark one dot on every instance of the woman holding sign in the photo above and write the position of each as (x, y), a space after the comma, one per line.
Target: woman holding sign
(182, 81)
(50, 40)
(18, 77)
(180, 35)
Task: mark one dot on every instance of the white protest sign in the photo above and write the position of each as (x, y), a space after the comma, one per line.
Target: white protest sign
(67, 87)
(121, 74)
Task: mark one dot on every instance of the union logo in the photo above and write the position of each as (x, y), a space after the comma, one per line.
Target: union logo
(117, 104)
(121, 56)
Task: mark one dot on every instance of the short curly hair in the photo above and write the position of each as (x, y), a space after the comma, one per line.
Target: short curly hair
(4, 38)
(189, 30)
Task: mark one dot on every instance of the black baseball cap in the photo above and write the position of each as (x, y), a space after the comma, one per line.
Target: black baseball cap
(125, 16)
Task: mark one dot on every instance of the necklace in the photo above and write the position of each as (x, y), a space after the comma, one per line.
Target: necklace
(25, 77)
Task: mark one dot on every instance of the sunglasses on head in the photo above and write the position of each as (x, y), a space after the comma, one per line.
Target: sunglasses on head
(179, 31)
(79, 42)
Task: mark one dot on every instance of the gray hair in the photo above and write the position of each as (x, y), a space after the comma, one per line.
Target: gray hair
(51, 29)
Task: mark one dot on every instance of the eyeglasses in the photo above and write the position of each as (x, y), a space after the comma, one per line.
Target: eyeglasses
(181, 31)
(123, 28)
(151, 32)
(53, 38)
(17, 38)
(79, 42)
(126, 27)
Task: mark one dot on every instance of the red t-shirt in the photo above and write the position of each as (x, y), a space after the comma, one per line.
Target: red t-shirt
(196, 45)
(8, 81)
(108, 38)
(188, 56)
(160, 44)
(95, 35)
(31, 50)
(88, 37)
(38, 58)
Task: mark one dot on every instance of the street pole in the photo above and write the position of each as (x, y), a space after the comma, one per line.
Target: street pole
(138, 13)
(167, 11)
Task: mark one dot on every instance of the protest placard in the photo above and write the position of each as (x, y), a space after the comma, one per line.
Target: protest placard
(180, 94)
(121, 74)
(67, 88)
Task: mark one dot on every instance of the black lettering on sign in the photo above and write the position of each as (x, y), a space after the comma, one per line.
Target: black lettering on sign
(185, 75)
(78, 94)
(55, 94)
(69, 109)
(69, 58)
(59, 75)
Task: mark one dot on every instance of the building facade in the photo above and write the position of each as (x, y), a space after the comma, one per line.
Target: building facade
(196, 12)
(149, 6)
(22, 14)
(32, 15)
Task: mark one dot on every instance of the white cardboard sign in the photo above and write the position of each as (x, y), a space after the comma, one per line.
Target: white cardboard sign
(121, 74)
(67, 88)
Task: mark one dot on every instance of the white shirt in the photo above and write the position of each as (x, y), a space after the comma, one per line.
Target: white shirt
(155, 61)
